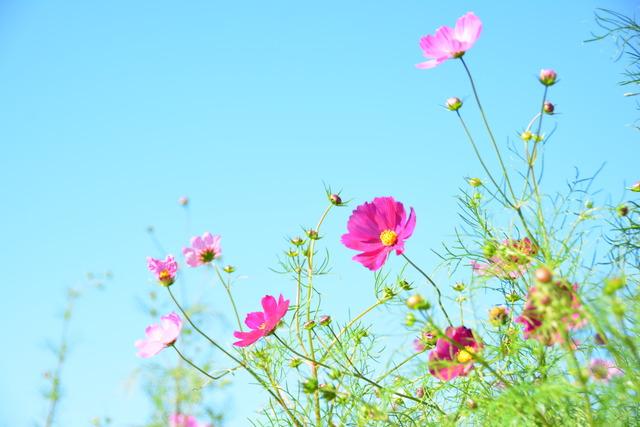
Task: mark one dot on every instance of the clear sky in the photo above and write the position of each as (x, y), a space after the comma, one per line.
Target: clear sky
(109, 111)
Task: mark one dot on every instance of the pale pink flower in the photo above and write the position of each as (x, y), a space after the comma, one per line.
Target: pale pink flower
(183, 420)
(262, 323)
(159, 337)
(603, 370)
(203, 250)
(449, 42)
(164, 270)
(378, 228)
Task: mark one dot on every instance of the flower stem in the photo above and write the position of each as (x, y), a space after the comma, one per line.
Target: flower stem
(432, 284)
(227, 287)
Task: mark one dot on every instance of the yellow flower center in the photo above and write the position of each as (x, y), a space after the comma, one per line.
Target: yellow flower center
(466, 355)
(388, 237)
(164, 275)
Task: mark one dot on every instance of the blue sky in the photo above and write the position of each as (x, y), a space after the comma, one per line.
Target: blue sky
(109, 111)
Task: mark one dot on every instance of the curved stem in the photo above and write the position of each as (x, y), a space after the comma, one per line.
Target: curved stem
(486, 124)
(235, 359)
(432, 284)
(193, 365)
(227, 287)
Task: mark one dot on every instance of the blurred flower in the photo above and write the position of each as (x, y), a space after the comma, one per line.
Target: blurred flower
(551, 310)
(182, 420)
(543, 275)
(548, 77)
(183, 201)
(262, 323)
(203, 250)
(603, 370)
(426, 341)
(376, 228)
(449, 42)
(159, 337)
(164, 270)
(499, 315)
(449, 360)
(509, 260)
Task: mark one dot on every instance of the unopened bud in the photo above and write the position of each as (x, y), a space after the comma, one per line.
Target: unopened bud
(416, 302)
(229, 269)
(548, 77)
(548, 107)
(295, 362)
(543, 275)
(309, 325)
(183, 201)
(335, 199)
(453, 103)
(499, 315)
(420, 392)
(512, 297)
(409, 319)
(613, 284)
(297, 241)
(475, 182)
(324, 320)
(459, 287)
(635, 187)
(526, 135)
(622, 210)
(312, 234)
(472, 404)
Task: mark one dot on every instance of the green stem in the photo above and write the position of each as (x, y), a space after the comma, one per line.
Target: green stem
(227, 287)
(235, 359)
(193, 365)
(432, 284)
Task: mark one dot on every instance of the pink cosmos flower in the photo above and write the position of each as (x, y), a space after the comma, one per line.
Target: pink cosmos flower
(262, 323)
(449, 42)
(509, 260)
(164, 270)
(603, 370)
(159, 337)
(376, 228)
(448, 360)
(550, 311)
(203, 250)
(182, 420)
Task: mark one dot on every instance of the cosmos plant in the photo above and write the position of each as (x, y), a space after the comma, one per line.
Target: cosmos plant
(519, 320)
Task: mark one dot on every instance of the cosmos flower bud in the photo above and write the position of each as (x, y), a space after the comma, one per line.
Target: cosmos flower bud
(335, 199)
(404, 285)
(526, 135)
(312, 234)
(548, 77)
(472, 404)
(475, 182)
(309, 325)
(489, 249)
(453, 103)
(229, 269)
(459, 287)
(324, 320)
(416, 302)
(297, 241)
(499, 315)
(410, 319)
(622, 210)
(420, 392)
(635, 187)
(183, 201)
(543, 275)
(512, 297)
(548, 107)
(613, 284)
(295, 362)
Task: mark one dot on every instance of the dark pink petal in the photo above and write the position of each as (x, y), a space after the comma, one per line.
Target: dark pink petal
(373, 260)
(408, 228)
(247, 338)
(254, 320)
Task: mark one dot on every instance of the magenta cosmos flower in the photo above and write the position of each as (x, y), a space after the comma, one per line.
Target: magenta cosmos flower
(262, 323)
(551, 310)
(376, 228)
(203, 250)
(449, 360)
(164, 270)
(449, 42)
(182, 420)
(603, 370)
(159, 337)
